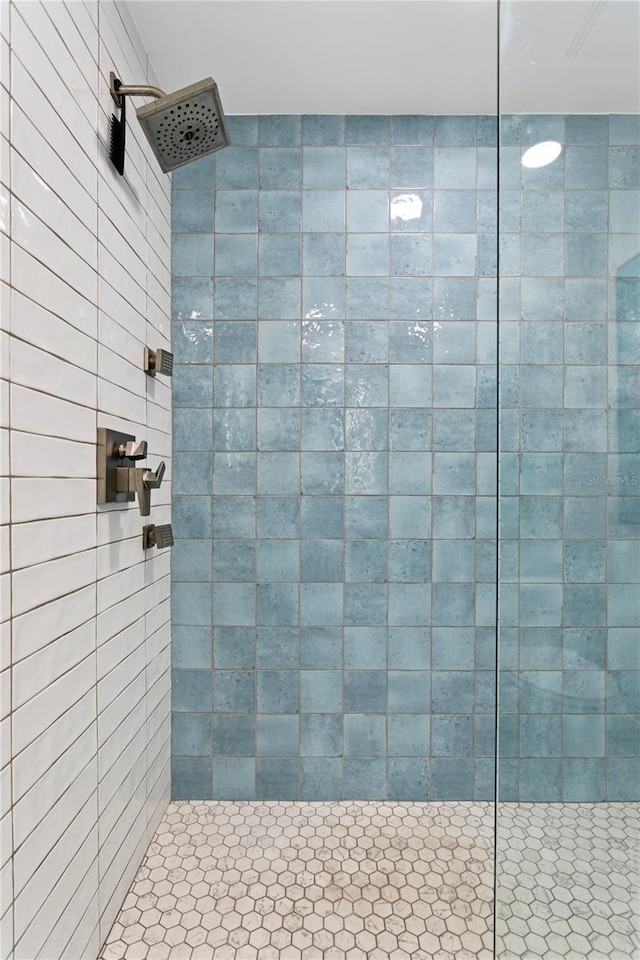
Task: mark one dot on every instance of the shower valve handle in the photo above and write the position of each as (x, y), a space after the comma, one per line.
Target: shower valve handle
(140, 481)
(153, 480)
(133, 450)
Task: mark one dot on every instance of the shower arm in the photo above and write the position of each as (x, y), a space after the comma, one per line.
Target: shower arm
(119, 90)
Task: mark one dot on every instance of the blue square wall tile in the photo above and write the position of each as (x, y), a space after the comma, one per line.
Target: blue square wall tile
(277, 648)
(321, 691)
(280, 168)
(408, 735)
(191, 734)
(277, 779)
(321, 778)
(364, 735)
(321, 735)
(280, 211)
(277, 691)
(234, 779)
(233, 691)
(323, 129)
(191, 778)
(278, 130)
(277, 736)
(408, 779)
(365, 778)
(324, 168)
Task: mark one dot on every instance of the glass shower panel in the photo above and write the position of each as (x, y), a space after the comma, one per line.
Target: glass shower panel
(569, 481)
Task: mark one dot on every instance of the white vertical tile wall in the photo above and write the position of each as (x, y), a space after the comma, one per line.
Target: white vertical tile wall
(84, 612)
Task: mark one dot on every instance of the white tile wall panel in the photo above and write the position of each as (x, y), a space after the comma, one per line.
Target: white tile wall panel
(36, 194)
(115, 650)
(84, 903)
(46, 875)
(5, 595)
(4, 63)
(118, 402)
(75, 43)
(114, 305)
(110, 718)
(125, 252)
(116, 273)
(63, 123)
(89, 642)
(129, 219)
(111, 685)
(5, 552)
(121, 782)
(112, 590)
(40, 626)
(120, 857)
(4, 209)
(38, 413)
(76, 87)
(28, 811)
(113, 746)
(80, 871)
(36, 456)
(36, 759)
(40, 370)
(35, 498)
(5, 149)
(117, 557)
(46, 288)
(5, 248)
(5, 318)
(28, 142)
(158, 616)
(32, 719)
(85, 25)
(31, 233)
(35, 543)
(117, 524)
(5, 752)
(119, 340)
(35, 673)
(43, 329)
(121, 372)
(30, 856)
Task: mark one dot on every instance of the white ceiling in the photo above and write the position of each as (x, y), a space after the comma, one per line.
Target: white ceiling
(399, 56)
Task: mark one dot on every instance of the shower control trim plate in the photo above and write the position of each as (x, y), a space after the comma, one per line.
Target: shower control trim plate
(114, 452)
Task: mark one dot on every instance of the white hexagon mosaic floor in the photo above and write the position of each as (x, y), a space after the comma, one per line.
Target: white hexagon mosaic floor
(299, 881)
(568, 881)
(385, 881)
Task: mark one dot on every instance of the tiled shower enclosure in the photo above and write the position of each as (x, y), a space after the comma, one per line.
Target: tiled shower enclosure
(335, 491)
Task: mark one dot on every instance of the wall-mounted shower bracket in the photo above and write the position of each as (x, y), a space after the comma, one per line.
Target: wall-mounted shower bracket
(157, 535)
(158, 361)
(119, 90)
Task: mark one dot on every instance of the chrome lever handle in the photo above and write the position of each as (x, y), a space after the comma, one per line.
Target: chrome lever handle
(153, 480)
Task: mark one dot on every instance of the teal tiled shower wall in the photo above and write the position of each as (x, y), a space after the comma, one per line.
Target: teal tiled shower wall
(570, 461)
(334, 482)
(334, 509)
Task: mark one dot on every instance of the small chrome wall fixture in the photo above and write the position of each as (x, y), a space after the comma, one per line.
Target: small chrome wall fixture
(158, 361)
(119, 480)
(157, 535)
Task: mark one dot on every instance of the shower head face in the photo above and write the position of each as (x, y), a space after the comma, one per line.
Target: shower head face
(185, 125)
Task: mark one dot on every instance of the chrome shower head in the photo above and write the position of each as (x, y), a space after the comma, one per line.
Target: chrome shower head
(180, 126)
(185, 125)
